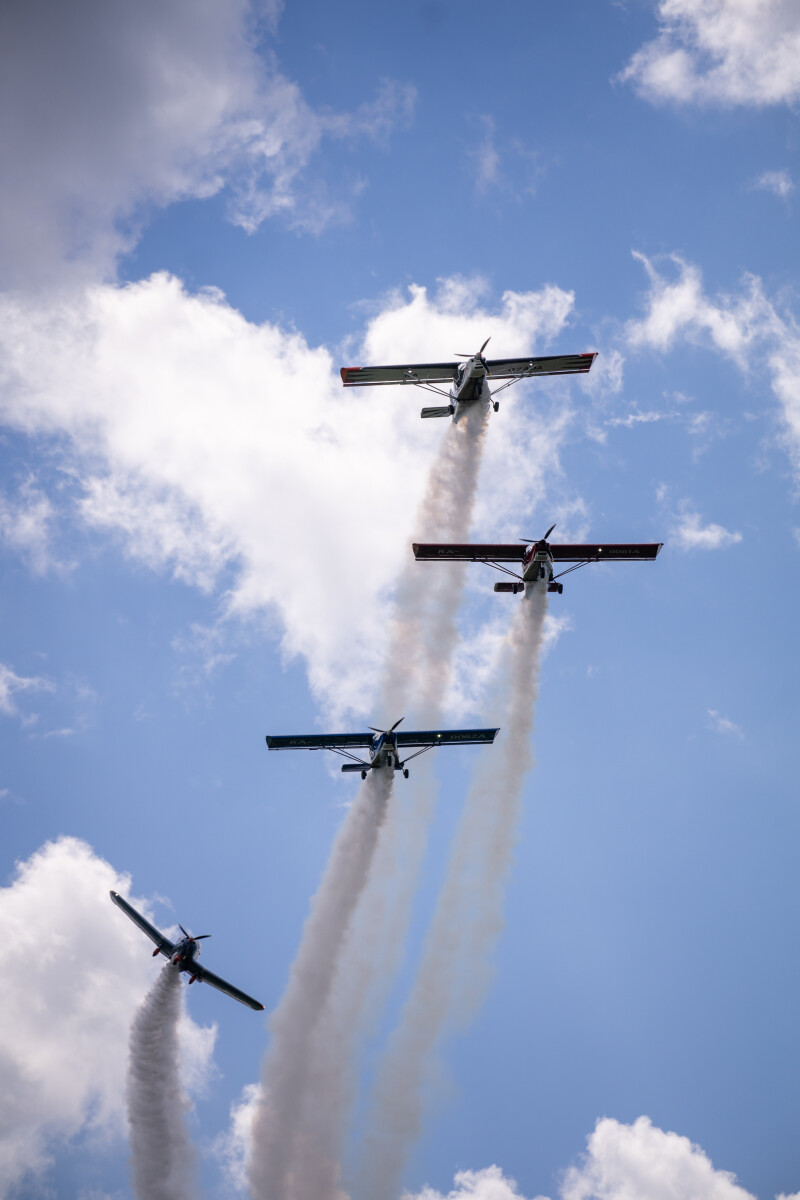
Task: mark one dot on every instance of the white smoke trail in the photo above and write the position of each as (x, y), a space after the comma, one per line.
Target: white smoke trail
(422, 640)
(468, 917)
(278, 1139)
(162, 1159)
(424, 632)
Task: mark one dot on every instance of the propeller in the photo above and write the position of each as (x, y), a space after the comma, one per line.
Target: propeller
(530, 541)
(198, 938)
(480, 352)
(374, 730)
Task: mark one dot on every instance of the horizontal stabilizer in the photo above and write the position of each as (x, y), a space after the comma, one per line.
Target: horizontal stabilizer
(509, 587)
(442, 411)
(356, 767)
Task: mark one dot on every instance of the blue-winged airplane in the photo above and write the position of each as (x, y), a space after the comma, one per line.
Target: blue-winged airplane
(466, 383)
(536, 558)
(184, 954)
(386, 747)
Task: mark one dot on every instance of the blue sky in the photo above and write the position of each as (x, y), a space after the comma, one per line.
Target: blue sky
(210, 209)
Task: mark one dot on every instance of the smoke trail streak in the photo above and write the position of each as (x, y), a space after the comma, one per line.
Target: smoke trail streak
(424, 633)
(467, 920)
(423, 637)
(277, 1138)
(162, 1159)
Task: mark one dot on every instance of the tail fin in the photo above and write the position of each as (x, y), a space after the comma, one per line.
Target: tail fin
(445, 411)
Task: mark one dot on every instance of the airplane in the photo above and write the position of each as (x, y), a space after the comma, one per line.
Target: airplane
(183, 954)
(536, 557)
(383, 745)
(468, 381)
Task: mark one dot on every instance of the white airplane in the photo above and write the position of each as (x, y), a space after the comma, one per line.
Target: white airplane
(184, 954)
(469, 382)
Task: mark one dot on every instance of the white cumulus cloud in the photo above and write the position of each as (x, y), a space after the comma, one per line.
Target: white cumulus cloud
(72, 973)
(725, 52)
(114, 108)
(205, 443)
(724, 725)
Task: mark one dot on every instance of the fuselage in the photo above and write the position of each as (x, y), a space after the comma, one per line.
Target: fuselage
(537, 563)
(185, 953)
(470, 386)
(383, 752)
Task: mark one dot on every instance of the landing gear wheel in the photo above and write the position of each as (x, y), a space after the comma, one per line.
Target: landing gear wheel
(405, 772)
(363, 774)
(496, 405)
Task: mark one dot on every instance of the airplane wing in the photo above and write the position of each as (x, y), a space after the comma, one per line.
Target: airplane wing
(455, 552)
(618, 551)
(319, 741)
(222, 985)
(405, 373)
(164, 944)
(551, 364)
(447, 737)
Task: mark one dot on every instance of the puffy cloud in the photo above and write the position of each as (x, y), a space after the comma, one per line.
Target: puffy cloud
(780, 183)
(112, 107)
(747, 328)
(691, 534)
(72, 973)
(11, 684)
(723, 52)
(642, 1162)
(488, 1184)
(204, 443)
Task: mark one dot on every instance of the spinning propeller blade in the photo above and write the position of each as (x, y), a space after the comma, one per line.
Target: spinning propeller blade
(387, 731)
(183, 931)
(530, 541)
(480, 352)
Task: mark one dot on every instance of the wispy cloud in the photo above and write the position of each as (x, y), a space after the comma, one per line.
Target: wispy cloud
(691, 534)
(725, 52)
(12, 685)
(747, 327)
(721, 724)
(780, 183)
(502, 165)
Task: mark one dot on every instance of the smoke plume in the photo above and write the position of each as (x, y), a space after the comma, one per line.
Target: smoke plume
(424, 631)
(422, 639)
(278, 1139)
(162, 1159)
(455, 961)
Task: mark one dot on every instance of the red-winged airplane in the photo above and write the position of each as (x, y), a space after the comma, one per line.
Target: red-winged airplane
(384, 746)
(536, 558)
(183, 954)
(468, 381)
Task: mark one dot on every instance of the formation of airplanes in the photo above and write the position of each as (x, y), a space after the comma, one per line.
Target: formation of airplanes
(463, 385)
